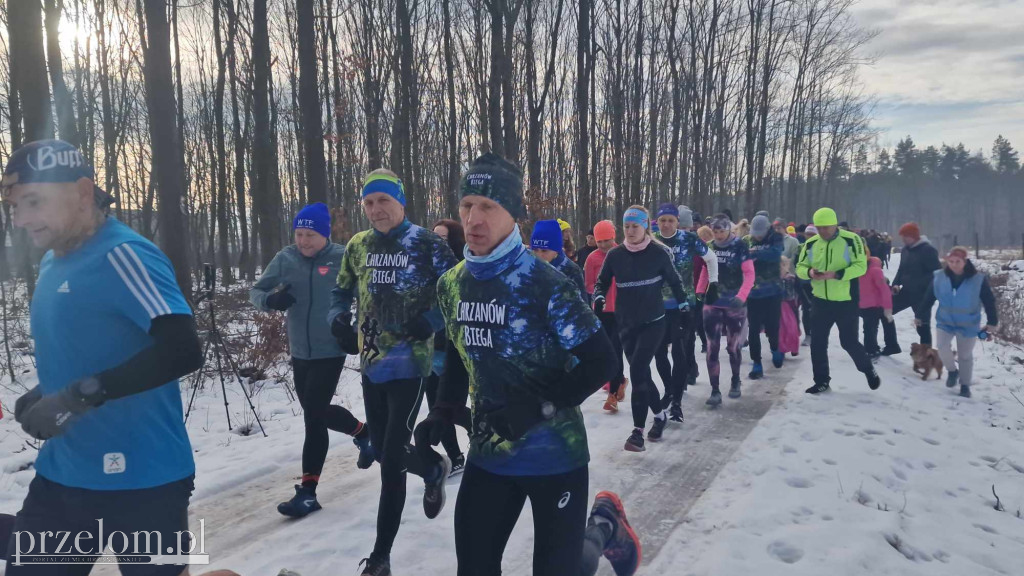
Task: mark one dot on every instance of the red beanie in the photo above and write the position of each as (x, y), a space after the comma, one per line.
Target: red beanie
(604, 230)
(911, 230)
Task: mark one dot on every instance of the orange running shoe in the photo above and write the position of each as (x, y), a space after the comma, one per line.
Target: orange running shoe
(611, 405)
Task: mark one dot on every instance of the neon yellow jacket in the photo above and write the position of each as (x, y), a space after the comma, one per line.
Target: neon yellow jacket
(844, 254)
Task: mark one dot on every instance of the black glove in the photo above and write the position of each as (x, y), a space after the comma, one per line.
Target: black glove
(737, 303)
(345, 333)
(419, 328)
(513, 420)
(25, 402)
(711, 296)
(281, 299)
(598, 304)
(52, 415)
(431, 430)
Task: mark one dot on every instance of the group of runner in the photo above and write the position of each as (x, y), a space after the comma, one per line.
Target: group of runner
(505, 339)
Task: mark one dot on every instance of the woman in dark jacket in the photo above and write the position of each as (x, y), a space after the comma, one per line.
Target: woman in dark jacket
(962, 292)
(640, 268)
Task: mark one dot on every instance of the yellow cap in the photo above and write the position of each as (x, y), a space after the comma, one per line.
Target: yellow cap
(563, 225)
(825, 217)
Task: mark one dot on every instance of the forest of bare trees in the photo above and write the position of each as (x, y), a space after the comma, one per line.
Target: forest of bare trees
(211, 121)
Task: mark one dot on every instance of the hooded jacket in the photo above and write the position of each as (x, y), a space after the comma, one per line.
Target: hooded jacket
(918, 264)
(874, 290)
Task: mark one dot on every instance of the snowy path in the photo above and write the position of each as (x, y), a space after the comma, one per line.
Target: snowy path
(658, 486)
(893, 482)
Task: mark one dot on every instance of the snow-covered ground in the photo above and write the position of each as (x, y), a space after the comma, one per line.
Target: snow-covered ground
(896, 481)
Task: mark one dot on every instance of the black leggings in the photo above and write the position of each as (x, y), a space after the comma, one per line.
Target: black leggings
(640, 344)
(763, 313)
(611, 327)
(315, 383)
(901, 302)
(488, 508)
(680, 333)
(391, 410)
(449, 440)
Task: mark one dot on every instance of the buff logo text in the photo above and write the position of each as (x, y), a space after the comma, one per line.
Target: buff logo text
(46, 158)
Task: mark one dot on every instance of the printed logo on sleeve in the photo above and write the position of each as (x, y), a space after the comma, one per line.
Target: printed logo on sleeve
(113, 463)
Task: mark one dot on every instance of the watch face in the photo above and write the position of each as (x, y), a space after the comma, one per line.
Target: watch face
(89, 388)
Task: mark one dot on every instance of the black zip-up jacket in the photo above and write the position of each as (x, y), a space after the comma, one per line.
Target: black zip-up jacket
(639, 278)
(918, 263)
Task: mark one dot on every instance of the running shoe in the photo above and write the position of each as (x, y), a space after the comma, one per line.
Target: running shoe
(611, 405)
(734, 391)
(375, 566)
(675, 413)
(433, 493)
(657, 429)
(301, 505)
(715, 399)
(757, 372)
(635, 442)
(366, 453)
(874, 381)
(623, 549)
(458, 465)
(951, 378)
(818, 388)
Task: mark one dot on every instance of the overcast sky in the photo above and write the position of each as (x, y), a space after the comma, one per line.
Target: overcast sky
(947, 70)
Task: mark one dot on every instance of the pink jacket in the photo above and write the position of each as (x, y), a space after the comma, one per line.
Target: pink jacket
(874, 290)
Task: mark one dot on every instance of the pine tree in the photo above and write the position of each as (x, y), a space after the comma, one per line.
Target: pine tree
(1004, 157)
(907, 158)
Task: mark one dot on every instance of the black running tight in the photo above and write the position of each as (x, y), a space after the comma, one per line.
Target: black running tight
(640, 344)
(315, 383)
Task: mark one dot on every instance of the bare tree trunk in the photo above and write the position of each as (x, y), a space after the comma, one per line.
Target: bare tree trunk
(66, 126)
(28, 67)
(309, 103)
(494, 83)
(167, 160)
(264, 153)
(584, 205)
(245, 266)
(452, 176)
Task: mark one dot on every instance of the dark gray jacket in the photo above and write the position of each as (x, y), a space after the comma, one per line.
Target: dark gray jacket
(311, 281)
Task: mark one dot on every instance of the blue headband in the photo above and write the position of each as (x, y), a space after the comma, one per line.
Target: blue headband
(385, 184)
(636, 216)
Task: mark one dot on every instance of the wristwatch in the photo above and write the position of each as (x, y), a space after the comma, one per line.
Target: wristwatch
(89, 391)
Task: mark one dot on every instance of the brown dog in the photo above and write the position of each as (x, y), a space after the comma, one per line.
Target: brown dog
(925, 359)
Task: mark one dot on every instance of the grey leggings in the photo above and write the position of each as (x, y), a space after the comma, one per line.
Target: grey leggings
(964, 359)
